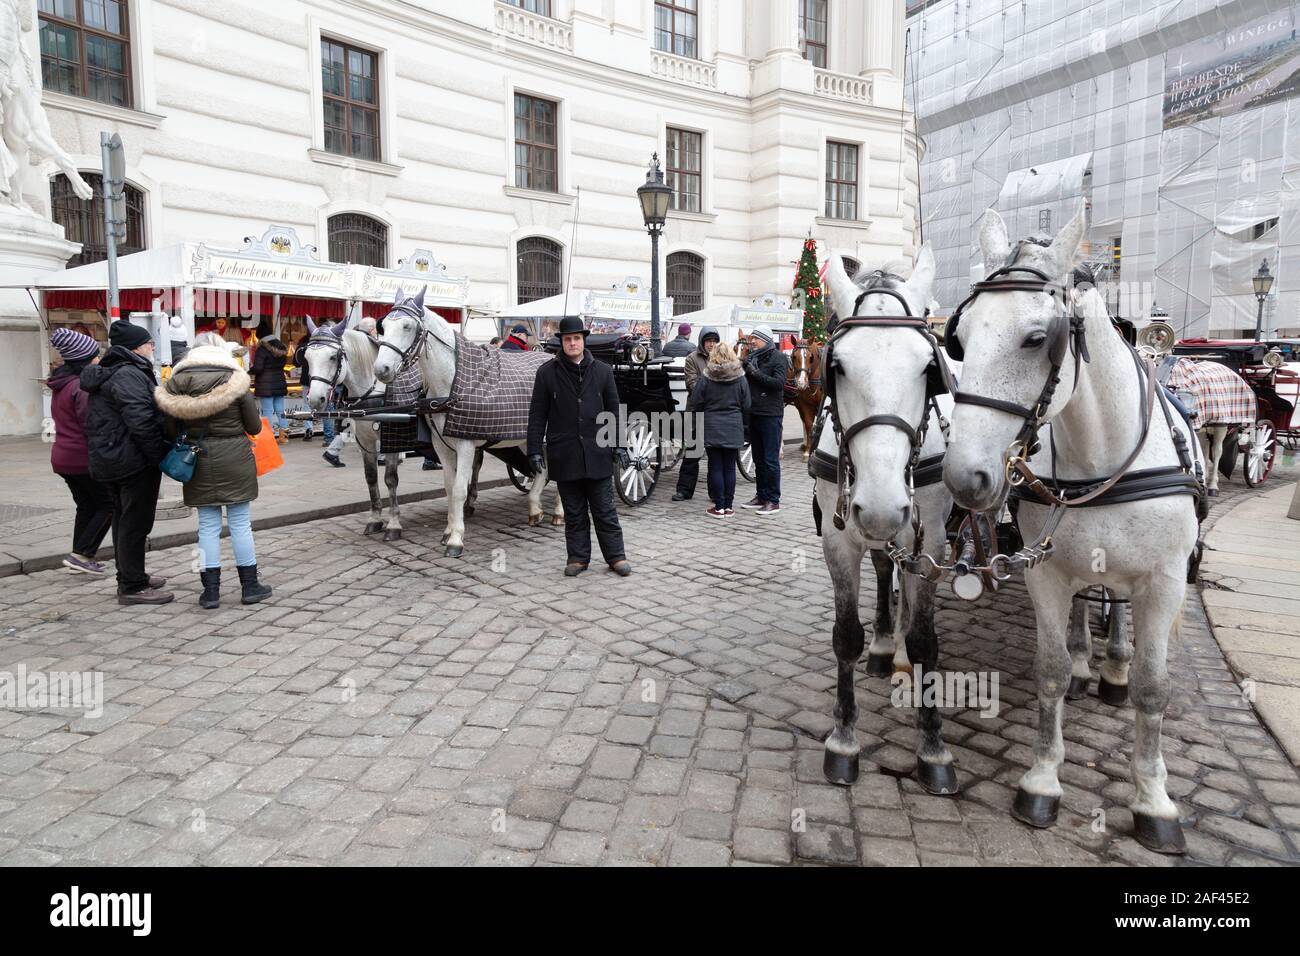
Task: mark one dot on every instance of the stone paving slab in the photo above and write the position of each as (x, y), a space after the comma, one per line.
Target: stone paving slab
(393, 706)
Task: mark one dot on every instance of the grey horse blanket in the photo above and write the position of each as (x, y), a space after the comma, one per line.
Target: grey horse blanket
(491, 393)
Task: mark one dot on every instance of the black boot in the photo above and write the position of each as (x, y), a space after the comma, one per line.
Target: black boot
(254, 590)
(211, 596)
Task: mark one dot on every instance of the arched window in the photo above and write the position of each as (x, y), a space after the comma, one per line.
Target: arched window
(538, 268)
(358, 239)
(686, 282)
(83, 219)
(851, 265)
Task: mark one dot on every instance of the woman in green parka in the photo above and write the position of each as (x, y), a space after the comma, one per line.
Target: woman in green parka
(207, 398)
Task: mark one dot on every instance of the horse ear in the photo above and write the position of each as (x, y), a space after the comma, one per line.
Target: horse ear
(340, 327)
(1066, 244)
(419, 297)
(844, 291)
(922, 277)
(311, 326)
(994, 244)
(398, 296)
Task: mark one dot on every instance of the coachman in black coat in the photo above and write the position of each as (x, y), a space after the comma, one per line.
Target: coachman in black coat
(564, 424)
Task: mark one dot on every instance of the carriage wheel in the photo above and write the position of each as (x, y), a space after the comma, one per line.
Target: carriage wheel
(745, 463)
(636, 482)
(522, 482)
(674, 452)
(1257, 463)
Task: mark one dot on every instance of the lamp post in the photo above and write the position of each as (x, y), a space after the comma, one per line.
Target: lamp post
(1263, 282)
(654, 197)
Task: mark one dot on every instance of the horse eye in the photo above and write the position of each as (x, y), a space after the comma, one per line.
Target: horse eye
(1033, 340)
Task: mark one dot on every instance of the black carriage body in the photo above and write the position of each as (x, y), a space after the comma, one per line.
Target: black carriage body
(642, 386)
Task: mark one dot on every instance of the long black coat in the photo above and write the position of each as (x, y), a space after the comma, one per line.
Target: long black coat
(721, 395)
(207, 397)
(767, 370)
(124, 432)
(268, 369)
(563, 419)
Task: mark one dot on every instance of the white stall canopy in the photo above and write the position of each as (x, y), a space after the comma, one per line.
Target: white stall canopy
(733, 320)
(623, 307)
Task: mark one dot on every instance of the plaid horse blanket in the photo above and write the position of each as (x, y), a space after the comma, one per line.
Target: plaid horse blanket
(1219, 395)
(491, 392)
(404, 390)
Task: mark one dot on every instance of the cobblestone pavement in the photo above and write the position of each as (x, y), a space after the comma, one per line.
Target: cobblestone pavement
(391, 706)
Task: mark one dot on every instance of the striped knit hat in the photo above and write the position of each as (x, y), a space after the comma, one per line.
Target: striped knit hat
(73, 346)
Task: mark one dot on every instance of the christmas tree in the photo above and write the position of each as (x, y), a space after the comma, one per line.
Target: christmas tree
(808, 293)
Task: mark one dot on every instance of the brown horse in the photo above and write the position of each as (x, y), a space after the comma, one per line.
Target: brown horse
(803, 385)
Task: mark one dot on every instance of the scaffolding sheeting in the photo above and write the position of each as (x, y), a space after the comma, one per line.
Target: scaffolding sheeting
(1187, 212)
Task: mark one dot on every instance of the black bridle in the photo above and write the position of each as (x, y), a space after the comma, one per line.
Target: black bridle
(409, 309)
(328, 340)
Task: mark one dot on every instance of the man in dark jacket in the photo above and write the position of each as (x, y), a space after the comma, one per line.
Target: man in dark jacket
(688, 475)
(125, 443)
(517, 341)
(569, 395)
(767, 369)
(682, 344)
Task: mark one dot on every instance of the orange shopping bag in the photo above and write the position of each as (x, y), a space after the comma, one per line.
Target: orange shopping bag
(266, 452)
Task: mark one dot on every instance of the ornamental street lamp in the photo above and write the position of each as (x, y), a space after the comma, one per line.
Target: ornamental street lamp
(1263, 282)
(654, 197)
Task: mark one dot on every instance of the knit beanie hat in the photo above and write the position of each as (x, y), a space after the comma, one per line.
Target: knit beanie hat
(764, 333)
(127, 335)
(73, 346)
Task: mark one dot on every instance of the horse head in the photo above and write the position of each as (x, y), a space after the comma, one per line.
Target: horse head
(1011, 343)
(404, 328)
(881, 372)
(325, 360)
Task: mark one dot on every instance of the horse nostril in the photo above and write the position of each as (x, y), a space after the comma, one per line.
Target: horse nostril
(907, 513)
(983, 480)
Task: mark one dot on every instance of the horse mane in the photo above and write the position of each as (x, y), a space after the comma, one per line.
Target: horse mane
(362, 352)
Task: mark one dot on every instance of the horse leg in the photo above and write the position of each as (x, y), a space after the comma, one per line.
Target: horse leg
(558, 519)
(1157, 613)
(449, 473)
(1079, 642)
(1212, 445)
(880, 655)
(841, 760)
(472, 501)
(1112, 684)
(393, 532)
(934, 766)
(1039, 797)
(535, 512)
(457, 489)
(806, 416)
(376, 522)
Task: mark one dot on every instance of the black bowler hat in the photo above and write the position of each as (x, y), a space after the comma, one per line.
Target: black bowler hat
(570, 325)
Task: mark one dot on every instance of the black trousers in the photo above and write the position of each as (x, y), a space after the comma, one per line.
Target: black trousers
(135, 503)
(688, 475)
(585, 502)
(94, 513)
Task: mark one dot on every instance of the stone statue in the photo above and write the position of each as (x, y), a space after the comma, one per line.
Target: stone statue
(24, 127)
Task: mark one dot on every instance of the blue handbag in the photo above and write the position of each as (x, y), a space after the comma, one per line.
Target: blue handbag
(180, 459)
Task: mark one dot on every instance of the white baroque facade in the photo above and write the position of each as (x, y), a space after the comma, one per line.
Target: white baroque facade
(225, 132)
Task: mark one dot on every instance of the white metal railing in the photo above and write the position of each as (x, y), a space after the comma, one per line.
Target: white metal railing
(842, 86)
(534, 28)
(683, 69)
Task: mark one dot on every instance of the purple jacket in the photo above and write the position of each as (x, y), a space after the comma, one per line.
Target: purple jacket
(69, 455)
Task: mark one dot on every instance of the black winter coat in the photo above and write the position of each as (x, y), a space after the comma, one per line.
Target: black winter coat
(207, 397)
(722, 396)
(124, 432)
(767, 370)
(562, 419)
(268, 369)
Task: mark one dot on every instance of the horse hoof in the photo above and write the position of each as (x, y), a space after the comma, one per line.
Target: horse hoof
(534, 520)
(446, 536)
(395, 535)
(880, 665)
(558, 521)
(1035, 809)
(1114, 694)
(1159, 834)
(374, 527)
(455, 551)
(939, 779)
(840, 769)
(1078, 688)
(1213, 492)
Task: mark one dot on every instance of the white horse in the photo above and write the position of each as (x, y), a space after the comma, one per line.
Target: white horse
(413, 333)
(1140, 550)
(341, 356)
(883, 379)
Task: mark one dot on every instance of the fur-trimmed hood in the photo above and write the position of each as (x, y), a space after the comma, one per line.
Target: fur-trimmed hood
(203, 383)
(724, 371)
(274, 347)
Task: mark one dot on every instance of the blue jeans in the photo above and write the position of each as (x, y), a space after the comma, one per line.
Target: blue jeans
(765, 435)
(239, 518)
(722, 476)
(273, 409)
(327, 424)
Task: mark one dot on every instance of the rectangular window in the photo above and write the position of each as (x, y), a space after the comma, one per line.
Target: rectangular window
(536, 143)
(533, 6)
(685, 168)
(841, 181)
(812, 31)
(350, 85)
(677, 26)
(86, 49)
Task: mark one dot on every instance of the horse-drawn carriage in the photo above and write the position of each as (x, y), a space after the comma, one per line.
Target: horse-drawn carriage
(1263, 367)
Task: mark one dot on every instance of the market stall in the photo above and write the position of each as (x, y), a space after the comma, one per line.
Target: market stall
(622, 308)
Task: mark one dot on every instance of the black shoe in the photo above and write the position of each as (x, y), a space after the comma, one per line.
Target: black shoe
(147, 596)
(573, 569)
(307, 436)
(211, 596)
(681, 497)
(254, 590)
(621, 567)
(334, 460)
(432, 466)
